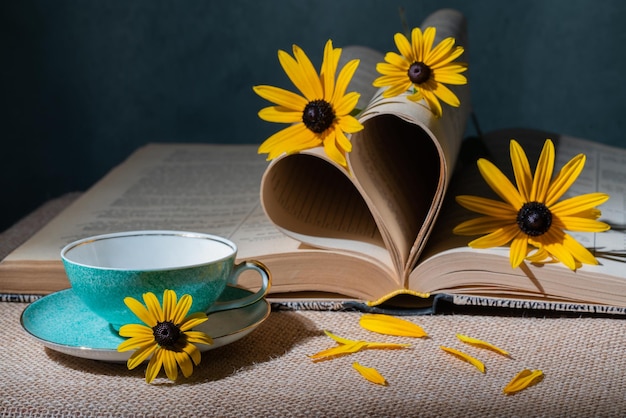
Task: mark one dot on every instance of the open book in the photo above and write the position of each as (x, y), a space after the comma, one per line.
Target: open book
(327, 235)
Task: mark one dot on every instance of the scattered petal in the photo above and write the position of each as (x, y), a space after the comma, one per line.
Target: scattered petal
(346, 346)
(391, 325)
(370, 374)
(466, 357)
(522, 380)
(339, 350)
(481, 344)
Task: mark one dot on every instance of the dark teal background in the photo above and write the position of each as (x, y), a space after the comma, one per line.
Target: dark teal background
(84, 83)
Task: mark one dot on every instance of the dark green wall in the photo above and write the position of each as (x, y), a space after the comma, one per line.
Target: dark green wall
(86, 82)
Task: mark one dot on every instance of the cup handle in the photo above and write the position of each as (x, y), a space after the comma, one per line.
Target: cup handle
(266, 283)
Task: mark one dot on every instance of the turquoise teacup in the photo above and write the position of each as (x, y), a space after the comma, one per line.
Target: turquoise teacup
(105, 269)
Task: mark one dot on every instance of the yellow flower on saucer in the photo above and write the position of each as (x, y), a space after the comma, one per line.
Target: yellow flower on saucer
(531, 217)
(166, 335)
(321, 116)
(423, 68)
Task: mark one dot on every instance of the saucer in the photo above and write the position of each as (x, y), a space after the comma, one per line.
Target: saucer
(62, 322)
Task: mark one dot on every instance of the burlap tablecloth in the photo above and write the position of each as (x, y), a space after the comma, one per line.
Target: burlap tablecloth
(268, 373)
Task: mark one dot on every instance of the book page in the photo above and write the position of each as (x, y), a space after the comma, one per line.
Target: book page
(191, 187)
(403, 159)
(605, 171)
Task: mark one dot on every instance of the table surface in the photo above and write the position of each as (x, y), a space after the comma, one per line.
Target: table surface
(269, 372)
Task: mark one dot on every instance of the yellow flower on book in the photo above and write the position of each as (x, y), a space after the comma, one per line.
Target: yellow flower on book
(531, 216)
(166, 335)
(481, 344)
(391, 325)
(422, 68)
(522, 380)
(370, 374)
(465, 357)
(346, 346)
(321, 116)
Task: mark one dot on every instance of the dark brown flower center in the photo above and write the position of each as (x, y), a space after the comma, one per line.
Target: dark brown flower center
(318, 116)
(534, 219)
(419, 72)
(166, 334)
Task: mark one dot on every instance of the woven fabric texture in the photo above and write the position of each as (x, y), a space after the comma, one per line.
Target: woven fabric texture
(269, 374)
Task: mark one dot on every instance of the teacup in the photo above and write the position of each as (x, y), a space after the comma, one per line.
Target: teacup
(104, 269)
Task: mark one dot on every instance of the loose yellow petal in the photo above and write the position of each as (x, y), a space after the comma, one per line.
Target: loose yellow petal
(370, 374)
(339, 350)
(466, 357)
(347, 346)
(522, 380)
(481, 344)
(391, 325)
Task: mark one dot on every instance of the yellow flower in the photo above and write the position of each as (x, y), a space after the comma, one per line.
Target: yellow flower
(370, 374)
(423, 67)
(481, 344)
(346, 346)
(466, 357)
(522, 380)
(166, 335)
(390, 325)
(531, 216)
(321, 116)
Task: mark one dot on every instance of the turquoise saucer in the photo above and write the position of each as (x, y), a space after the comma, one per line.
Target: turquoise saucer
(62, 322)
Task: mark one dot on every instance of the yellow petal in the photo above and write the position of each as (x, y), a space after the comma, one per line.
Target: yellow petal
(136, 330)
(466, 357)
(343, 80)
(140, 311)
(481, 344)
(481, 225)
(566, 177)
(577, 204)
(169, 305)
(500, 184)
(404, 46)
(183, 361)
(347, 346)
(193, 320)
(391, 325)
(370, 374)
(497, 238)
(152, 303)
(169, 364)
(179, 310)
(280, 114)
(339, 339)
(329, 68)
(140, 355)
(543, 173)
(135, 343)
(521, 169)
(154, 366)
(522, 380)
(385, 346)
(281, 97)
(198, 337)
(518, 250)
(339, 350)
(487, 206)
